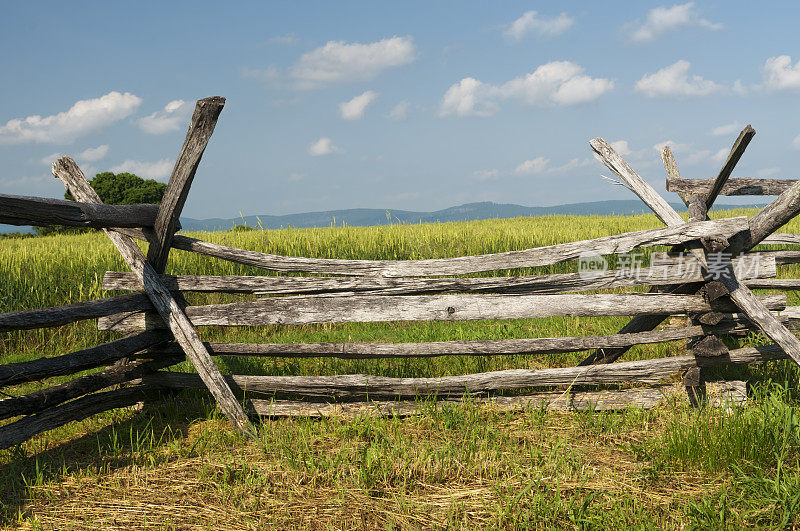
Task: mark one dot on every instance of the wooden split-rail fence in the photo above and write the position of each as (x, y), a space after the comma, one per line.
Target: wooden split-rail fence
(715, 294)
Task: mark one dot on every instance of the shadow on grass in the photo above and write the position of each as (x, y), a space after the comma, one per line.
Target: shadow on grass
(119, 444)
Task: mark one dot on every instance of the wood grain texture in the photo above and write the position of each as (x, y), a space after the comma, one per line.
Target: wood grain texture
(782, 238)
(621, 169)
(734, 186)
(300, 310)
(774, 215)
(355, 386)
(737, 150)
(201, 127)
(23, 429)
(540, 256)
(166, 305)
(673, 174)
(39, 211)
(721, 394)
(52, 396)
(668, 272)
(79, 311)
(492, 347)
(81, 360)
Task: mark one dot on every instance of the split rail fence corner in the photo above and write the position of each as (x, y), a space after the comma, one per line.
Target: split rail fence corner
(716, 296)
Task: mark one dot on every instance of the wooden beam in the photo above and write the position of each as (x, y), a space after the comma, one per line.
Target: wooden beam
(46, 398)
(658, 275)
(39, 211)
(539, 256)
(735, 186)
(166, 305)
(81, 360)
(671, 167)
(23, 429)
(761, 225)
(721, 394)
(204, 119)
(354, 386)
(301, 310)
(491, 347)
(79, 311)
(737, 150)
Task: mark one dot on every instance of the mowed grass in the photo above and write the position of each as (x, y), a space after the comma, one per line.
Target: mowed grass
(177, 464)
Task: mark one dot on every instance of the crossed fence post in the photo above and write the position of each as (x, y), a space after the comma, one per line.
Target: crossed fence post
(147, 269)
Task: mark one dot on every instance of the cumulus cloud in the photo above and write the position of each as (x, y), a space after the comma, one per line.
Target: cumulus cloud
(621, 147)
(296, 177)
(160, 169)
(354, 109)
(537, 165)
(553, 84)
(727, 129)
(400, 111)
(341, 62)
(545, 27)
(674, 82)
(170, 118)
(84, 117)
(87, 155)
(323, 146)
(780, 74)
(469, 97)
(662, 20)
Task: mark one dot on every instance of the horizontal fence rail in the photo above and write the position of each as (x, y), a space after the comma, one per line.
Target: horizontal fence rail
(660, 275)
(735, 186)
(363, 385)
(301, 310)
(38, 211)
(539, 256)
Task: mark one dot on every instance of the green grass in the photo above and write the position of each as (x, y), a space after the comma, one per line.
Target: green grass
(178, 464)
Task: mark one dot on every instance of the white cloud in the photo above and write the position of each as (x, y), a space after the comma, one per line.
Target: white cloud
(469, 97)
(26, 181)
(400, 111)
(796, 142)
(661, 20)
(537, 165)
(84, 117)
(780, 74)
(87, 155)
(621, 147)
(341, 62)
(354, 109)
(160, 169)
(486, 175)
(727, 129)
(170, 118)
(295, 177)
(673, 81)
(323, 146)
(573, 164)
(688, 155)
(545, 27)
(721, 156)
(552, 84)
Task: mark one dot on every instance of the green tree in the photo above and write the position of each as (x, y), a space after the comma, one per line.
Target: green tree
(115, 189)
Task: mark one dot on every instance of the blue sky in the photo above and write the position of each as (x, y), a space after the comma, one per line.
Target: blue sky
(412, 105)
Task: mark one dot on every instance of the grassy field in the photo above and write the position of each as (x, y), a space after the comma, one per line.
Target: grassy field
(178, 465)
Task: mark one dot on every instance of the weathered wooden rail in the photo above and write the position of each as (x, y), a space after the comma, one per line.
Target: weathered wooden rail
(696, 279)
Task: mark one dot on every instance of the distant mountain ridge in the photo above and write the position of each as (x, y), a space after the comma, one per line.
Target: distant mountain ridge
(368, 217)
